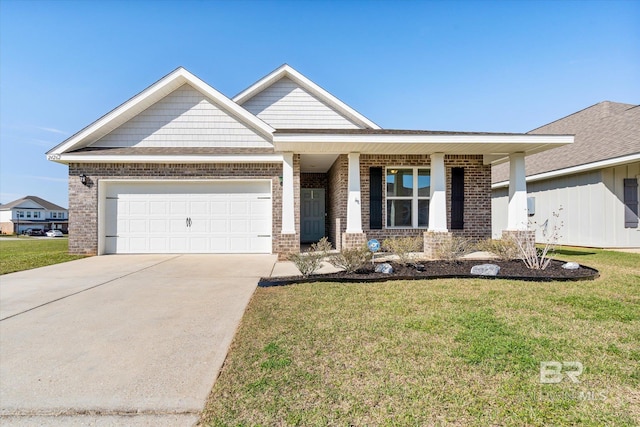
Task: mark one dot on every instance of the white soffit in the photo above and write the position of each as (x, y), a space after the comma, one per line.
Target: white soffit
(287, 71)
(499, 146)
(150, 96)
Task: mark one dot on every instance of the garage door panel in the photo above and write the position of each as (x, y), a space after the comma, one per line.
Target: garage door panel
(197, 208)
(199, 225)
(138, 244)
(158, 226)
(218, 244)
(178, 208)
(260, 244)
(239, 225)
(158, 244)
(219, 207)
(238, 207)
(239, 244)
(158, 207)
(199, 244)
(138, 208)
(138, 225)
(188, 217)
(178, 244)
(260, 226)
(218, 226)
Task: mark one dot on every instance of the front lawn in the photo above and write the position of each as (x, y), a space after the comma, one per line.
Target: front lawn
(28, 253)
(441, 352)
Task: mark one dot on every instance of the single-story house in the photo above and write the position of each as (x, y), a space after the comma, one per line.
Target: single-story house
(594, 180)
(31, 212)
(182, 168)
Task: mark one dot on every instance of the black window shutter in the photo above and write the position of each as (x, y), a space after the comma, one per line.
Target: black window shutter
(375, 198)
(630, 202)
(457, 198)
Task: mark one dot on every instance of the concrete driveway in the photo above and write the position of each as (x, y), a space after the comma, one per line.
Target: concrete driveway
(121, 339)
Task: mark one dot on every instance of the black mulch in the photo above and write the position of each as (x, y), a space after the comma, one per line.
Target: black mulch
(444, 269)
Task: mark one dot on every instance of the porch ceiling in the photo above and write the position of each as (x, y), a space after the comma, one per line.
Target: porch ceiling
(317, 163)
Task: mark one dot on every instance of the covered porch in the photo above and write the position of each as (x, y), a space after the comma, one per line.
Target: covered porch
(340, 183)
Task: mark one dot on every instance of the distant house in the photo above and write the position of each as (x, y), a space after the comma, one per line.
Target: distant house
(594, 180)
(31, 212)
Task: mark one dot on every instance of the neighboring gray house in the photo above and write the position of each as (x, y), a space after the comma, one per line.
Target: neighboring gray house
(32, 212)
(594, 180)
(181, 168)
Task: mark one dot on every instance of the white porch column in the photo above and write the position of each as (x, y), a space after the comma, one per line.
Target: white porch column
(354, 214)
(288, 206)
(517, 215)
(438, 202)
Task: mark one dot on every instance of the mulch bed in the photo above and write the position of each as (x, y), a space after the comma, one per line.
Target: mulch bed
(514, 269)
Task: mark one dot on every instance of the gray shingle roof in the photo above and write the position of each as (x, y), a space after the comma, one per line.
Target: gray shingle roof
(603, 131)
(45, 204)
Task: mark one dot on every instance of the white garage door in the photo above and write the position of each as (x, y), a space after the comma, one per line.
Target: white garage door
(196, 217)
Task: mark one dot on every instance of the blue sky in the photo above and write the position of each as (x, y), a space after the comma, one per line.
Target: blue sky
(503, 66)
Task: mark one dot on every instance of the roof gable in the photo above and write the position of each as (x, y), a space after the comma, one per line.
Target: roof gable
(285, 97)
(150, 96)
(184, 118)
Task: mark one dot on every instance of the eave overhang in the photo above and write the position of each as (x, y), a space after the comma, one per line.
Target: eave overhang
(166, 159)
(575, 169)
(495, 147)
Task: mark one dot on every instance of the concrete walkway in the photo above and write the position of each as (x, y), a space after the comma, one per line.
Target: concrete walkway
(120, 340)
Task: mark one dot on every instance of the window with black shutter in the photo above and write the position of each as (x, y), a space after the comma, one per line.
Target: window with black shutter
(457, 198)
(375, 198)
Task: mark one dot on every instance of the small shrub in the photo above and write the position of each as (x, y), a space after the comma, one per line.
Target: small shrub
(403, 247)
(505, 248)
(323, 245)
(351, 259)
(539, 259)
(309, 262)
(453, 248)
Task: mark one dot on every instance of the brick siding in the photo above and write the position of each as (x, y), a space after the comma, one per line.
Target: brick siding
(477, 193)
(83, 200)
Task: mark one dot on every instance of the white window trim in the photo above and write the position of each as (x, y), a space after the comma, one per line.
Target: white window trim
(414, 199)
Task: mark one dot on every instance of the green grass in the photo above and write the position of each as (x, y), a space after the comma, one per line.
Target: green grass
(441, 352)
(28, 253)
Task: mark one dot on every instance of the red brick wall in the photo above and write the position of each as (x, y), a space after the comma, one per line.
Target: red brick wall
(337, 198)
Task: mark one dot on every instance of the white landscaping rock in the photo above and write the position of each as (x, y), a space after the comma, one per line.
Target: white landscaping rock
(571, 266)
(384, 268)
(485, 270)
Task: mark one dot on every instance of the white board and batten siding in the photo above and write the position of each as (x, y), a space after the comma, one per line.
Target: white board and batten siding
(184, 118)
(593, 210)
(224, 216)
(286, 105)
